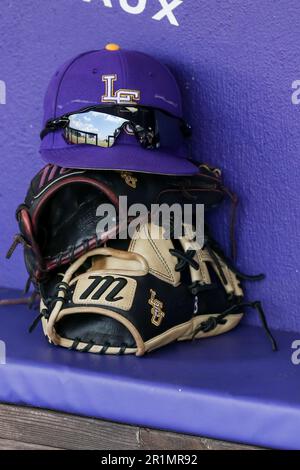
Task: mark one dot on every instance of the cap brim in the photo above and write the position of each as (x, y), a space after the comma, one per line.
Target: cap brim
(119, 157)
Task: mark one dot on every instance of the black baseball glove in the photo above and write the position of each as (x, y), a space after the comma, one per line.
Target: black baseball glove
(58, 220)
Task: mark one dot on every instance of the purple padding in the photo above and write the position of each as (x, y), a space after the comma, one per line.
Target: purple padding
(231, 387)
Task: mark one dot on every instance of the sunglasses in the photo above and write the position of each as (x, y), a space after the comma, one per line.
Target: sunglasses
(102, 125)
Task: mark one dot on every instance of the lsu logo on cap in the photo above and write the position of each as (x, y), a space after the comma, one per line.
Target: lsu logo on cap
(121, 96)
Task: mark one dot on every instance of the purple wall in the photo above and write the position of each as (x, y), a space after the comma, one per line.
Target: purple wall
(236, 63)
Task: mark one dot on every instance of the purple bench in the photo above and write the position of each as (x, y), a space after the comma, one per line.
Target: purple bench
(231, 387)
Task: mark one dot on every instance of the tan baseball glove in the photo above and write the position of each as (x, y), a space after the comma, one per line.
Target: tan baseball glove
(144, 296)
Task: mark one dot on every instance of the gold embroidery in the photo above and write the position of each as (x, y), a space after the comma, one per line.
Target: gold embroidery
(156, 310)
(121, 96)
(129, 179)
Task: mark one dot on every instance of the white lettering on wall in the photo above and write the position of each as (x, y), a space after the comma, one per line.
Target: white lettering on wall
(168, 10)
(133, 10)
(136, 7)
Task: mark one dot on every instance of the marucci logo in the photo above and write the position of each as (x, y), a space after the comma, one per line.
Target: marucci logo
(105, 289)
(2, 92)
(108, 285)
(166, 10)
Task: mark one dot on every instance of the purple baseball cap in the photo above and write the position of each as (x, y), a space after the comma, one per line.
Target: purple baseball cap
(114, 76)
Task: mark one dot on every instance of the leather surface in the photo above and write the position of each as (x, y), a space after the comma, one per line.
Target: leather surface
(155, 301)
(59, 218)
(97, 328)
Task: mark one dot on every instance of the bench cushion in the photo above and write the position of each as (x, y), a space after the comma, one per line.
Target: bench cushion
(231, 387)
